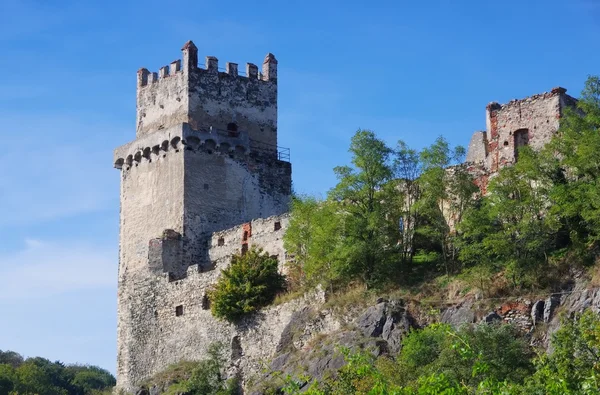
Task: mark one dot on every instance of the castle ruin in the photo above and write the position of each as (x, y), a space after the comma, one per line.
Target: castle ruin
(204, 179)
(531, 121)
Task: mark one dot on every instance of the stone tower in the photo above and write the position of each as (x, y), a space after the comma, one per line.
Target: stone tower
(205, 159)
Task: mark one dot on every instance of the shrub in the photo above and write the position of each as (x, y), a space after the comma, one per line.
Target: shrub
(251, 282)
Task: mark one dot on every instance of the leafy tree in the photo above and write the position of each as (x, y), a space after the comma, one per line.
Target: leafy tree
(11, 358)
(313, 238)
(407, 169)
(249, 283)
(7, 378)
(446, 193)
(359, 193)
(90, 378)
(577, 145)
(512, 228)
(573, 367)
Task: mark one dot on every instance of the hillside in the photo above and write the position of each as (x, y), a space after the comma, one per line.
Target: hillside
(408, 279)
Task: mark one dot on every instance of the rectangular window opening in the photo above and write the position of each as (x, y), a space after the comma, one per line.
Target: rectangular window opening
(179, 310)
(277, 226)
(221, 241)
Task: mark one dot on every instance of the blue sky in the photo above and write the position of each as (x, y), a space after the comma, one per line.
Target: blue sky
(408, 70)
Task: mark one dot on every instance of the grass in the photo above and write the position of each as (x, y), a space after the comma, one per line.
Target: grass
(174, 373)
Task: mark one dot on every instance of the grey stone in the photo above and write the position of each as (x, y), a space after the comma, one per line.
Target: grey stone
(372, 320)
(537, 312)
(458, 315)
(492, 317)
(549, 306)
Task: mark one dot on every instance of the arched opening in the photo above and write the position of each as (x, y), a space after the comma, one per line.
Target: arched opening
(236, 348)
(156, 149)
(129, 160)
(193, 142)
(175, 142)
(210, 146)
(232, 127)
(146, 153)
(138, 156)
(521, 140)
(165, 145)
(119, 163)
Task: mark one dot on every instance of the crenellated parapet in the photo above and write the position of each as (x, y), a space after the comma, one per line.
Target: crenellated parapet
(204, 96)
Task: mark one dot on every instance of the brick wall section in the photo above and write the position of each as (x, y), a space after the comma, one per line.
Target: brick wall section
(531, 121)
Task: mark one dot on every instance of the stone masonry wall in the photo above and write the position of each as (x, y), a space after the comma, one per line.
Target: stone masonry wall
(170, 320)
(531, 121)
(206, 97)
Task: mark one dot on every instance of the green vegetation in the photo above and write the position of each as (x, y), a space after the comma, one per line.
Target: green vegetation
(197, 378)
(400, 217)
(249, 283)
(486, 359)
(401, 220)
(19, 376)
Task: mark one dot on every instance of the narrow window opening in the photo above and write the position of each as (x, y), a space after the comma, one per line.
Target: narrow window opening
(221, 241)
(205, 302)
(277, 226)
(521, 140)
(236, 348)
(245, 238)
(244, 249)
(179, 310)
(506, 143)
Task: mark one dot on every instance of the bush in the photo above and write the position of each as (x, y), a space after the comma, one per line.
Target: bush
(250, 283)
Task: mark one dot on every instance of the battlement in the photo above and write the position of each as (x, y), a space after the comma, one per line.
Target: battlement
(268, 73)
(204, 97)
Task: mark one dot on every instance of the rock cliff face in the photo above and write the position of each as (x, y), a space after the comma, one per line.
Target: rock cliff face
(308, 335)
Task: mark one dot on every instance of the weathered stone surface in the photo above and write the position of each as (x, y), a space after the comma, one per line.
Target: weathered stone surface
(201, 182)
(549, 306)
(459, 315)
(372, 321)
(492, 317)
(531, 121)
(537, 312)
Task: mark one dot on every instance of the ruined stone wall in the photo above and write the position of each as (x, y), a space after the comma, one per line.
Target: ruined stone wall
(528, 122)
(202, 170)
(531, 121)
(170, 319)
(208, 98)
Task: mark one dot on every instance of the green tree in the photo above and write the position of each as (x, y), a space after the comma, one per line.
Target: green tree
(577, 145)
(312, 239)
(446, 193)
(573, 367)
(7, 378)
(513, 228)
(360, 196)
(248, 284)
(402, 211)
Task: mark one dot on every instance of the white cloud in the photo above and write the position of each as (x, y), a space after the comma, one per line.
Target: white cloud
(42, 269)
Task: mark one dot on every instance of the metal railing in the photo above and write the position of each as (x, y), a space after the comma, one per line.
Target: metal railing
(283, 153)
